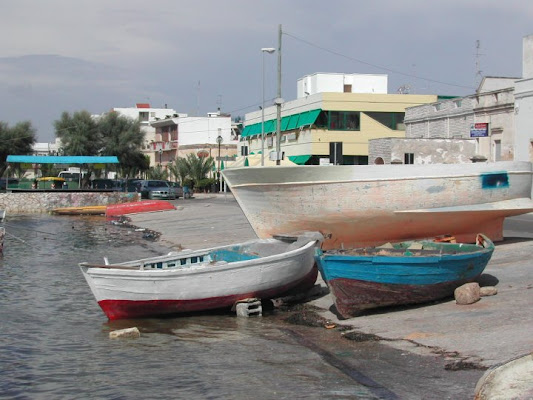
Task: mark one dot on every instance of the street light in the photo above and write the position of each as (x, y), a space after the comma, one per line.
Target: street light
(264, 50)
(219, 141)
(160, 155)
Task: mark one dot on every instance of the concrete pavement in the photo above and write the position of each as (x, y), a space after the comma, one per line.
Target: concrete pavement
(491, 331)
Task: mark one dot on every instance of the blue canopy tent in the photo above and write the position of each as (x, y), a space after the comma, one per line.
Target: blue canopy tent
(65, 160)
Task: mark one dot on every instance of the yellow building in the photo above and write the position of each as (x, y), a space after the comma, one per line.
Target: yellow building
(330, 127)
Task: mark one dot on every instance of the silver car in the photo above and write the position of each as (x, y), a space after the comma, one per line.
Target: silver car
(155, 189)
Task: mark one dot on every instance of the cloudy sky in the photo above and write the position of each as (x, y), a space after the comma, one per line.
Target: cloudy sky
(196, 56)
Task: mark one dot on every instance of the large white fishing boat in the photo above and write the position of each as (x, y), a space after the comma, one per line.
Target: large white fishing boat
(365, 205)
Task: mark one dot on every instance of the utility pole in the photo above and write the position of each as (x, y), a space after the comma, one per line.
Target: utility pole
(278, 102)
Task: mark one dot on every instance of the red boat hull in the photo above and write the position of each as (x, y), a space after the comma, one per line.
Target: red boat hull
(134, 207)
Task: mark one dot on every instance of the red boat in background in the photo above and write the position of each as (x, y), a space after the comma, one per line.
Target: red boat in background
(134, 207)
(116, 210)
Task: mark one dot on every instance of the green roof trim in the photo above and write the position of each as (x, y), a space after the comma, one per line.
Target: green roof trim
(300, 160)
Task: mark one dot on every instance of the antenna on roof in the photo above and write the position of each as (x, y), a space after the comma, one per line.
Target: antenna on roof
(198, 100)
(479, 74)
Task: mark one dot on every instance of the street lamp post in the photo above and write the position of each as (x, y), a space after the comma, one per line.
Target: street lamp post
(160, 156)
(264, 50)
(219, 141)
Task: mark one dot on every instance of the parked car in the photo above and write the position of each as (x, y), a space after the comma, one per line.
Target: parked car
(102, 184)
(177, 187)
(155, 189)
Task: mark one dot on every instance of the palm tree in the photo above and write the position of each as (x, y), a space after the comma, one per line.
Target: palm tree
(157, 173)
(192, 167)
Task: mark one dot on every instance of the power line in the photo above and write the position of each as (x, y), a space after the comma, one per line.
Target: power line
(374, 65)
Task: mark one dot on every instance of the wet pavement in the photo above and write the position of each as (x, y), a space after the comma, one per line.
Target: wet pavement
(466, 338)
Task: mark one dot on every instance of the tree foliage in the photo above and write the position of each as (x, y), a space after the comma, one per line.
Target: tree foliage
(157, 173)
(18, 140)
(194, 168)
(79, 134)
(109, 135)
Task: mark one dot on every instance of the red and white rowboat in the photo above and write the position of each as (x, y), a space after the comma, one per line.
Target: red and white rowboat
(189, 281)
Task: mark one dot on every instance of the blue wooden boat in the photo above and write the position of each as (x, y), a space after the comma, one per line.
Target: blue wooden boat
(400, 273)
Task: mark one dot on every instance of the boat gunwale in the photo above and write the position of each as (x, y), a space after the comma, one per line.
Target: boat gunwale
(190, 269)
(358, 180)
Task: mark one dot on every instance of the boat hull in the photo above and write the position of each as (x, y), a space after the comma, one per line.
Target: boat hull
(127, 293)
(359, 283)
(133, 207)
(127, 309)
(361, 205)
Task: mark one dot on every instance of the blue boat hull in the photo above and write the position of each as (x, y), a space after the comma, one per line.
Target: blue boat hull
(361, 282)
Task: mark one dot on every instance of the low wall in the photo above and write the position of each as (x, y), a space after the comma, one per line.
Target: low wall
(42, 202)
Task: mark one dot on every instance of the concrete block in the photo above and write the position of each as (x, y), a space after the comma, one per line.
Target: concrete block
(249, 308)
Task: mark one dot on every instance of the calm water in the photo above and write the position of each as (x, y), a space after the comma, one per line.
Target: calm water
(54, 340)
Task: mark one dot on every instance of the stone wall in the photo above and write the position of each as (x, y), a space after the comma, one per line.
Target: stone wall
(42, 202)
(425, 151)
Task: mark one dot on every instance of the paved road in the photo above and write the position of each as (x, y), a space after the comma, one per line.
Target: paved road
(492, 331)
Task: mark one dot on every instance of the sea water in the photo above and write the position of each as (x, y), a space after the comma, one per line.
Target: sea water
(54, 338)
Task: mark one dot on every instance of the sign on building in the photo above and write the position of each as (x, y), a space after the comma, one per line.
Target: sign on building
(480, 129)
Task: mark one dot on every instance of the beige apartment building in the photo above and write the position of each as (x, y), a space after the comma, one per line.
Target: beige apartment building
(332, 120)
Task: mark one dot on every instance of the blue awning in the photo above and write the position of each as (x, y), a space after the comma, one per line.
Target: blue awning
(63, 159)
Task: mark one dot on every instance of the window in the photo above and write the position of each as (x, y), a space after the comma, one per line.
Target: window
(339, 120)
(497, 150)
(392, 120)
(143, 116)
(409, 158)
(347, 88)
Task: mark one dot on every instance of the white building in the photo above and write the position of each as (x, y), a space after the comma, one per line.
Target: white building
(177, 137)
(341, 83)
(523, 109)
(146, 115)
(46, 149)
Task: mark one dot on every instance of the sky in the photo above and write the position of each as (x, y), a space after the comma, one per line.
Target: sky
(198, 56)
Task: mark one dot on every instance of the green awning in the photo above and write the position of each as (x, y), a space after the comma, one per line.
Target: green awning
(288, 123)
(284, 123)
(300, 160)
(246, 131)
(308, 118)
(270, 126)
(293, 122)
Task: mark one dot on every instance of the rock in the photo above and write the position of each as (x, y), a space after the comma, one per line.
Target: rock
(125, 333)
(488, 291)
(467, 293)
